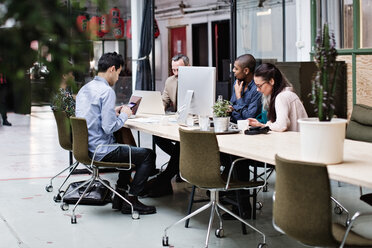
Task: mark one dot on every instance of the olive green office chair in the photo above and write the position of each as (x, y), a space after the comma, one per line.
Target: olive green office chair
(200, 166)
(360, 129)
(302, 206)
(65, 141)
(80, 150)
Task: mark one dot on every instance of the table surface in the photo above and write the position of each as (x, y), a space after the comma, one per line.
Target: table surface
(355, 169)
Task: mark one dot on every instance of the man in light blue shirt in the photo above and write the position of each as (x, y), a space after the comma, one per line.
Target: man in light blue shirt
(96, 103)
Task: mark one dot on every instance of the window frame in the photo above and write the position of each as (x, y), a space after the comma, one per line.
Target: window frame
(355, 51)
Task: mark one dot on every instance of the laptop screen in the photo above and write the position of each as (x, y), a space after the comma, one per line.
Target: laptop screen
(151, 102)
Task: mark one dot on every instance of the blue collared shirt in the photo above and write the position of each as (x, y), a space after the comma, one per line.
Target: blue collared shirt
(96, 103)
(249, 105)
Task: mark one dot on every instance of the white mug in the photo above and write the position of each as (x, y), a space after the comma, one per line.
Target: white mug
(243, 124)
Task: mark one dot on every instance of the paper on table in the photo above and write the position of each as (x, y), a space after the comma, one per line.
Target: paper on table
(153, 119)
(147, 120)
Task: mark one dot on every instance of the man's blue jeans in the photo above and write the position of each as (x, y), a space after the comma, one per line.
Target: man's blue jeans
(143, 158)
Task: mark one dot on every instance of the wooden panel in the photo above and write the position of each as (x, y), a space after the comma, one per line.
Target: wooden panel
(300, 74)
(364, 79)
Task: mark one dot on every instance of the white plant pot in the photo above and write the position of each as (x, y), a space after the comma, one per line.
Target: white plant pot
(221, 124)
(322, 141)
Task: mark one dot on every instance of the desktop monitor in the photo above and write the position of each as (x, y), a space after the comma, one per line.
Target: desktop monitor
(199, 84)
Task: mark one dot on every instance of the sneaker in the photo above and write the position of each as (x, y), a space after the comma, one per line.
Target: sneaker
(137, 206)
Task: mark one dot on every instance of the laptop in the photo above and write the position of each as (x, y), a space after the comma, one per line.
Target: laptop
(151, 102)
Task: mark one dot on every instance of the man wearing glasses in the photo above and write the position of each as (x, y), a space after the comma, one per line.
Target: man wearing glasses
(169, 95)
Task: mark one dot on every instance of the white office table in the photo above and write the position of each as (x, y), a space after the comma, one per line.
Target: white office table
(356, 168)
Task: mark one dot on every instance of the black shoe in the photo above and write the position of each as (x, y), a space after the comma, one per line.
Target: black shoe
(6, 123)
(117, 202)
(137, 206)
(160, 189)
(149, 185)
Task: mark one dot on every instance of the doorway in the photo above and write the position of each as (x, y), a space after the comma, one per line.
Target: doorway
(177, 44)
(200, 44)
(221, 56)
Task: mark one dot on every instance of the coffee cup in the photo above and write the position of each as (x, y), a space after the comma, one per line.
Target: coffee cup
(243, 124)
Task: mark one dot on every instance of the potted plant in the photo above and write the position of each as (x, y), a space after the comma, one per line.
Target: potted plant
(221, 118)
(322, 137)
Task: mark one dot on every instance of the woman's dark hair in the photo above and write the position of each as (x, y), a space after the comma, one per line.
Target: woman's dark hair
(269, 71)
(109, 59)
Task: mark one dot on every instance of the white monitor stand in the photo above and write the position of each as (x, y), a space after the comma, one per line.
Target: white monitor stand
(185, 109)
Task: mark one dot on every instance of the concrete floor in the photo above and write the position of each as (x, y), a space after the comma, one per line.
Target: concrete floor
(29, 218)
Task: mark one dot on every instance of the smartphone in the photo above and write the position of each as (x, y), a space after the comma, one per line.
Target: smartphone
(131, 105)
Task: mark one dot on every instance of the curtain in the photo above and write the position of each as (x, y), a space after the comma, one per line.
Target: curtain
(143, 81)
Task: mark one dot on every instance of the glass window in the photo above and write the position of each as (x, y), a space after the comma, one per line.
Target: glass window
(365, 19)
(259, 29)
(347, 40)
(339, 16)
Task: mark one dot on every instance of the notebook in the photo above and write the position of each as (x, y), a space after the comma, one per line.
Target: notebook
(151, 102)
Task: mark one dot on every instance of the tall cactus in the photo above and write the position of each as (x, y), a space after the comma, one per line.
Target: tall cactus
(325, 79)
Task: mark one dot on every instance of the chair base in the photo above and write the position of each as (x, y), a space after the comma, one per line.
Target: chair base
(89, 182)
(215, 206)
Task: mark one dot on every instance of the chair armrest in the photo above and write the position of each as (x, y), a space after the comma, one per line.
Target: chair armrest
(114, 145)
(232, 168)
(352, 220)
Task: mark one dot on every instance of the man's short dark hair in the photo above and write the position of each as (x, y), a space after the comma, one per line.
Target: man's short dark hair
(109, 59)
(181, 56)
(247, 61)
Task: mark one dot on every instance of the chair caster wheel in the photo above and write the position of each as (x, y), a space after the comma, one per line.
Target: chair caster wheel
(73, 219)
(262, 245)
(64, 206)
(49, 188)
(347, 222)
(219, 233)
(259, 205)
(58, 197)
(165, 241)
(338, 210)
(135, 215)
